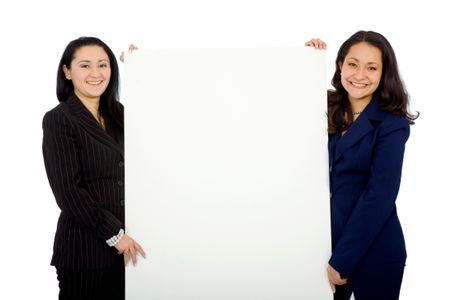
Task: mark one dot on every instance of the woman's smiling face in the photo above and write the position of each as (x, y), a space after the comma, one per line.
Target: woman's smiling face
(361, 71)
(90, 72)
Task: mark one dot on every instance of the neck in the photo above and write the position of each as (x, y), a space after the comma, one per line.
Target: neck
(358, 105)
(92, 105)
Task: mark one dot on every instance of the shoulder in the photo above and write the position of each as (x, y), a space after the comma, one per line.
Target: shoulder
(119, 106)
(393, 122)
(118, 110)
(58, 116)
(393, 128)
(385, 121)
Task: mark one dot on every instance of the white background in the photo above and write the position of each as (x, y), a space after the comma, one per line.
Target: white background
(35, 33)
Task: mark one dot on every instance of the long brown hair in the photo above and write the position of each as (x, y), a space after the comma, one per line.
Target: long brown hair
(392, 95)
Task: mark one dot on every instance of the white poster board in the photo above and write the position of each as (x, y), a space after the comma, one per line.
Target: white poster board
(227, 174)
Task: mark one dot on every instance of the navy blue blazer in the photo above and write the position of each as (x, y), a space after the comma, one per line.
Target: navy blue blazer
(85, 169)
(365, 171)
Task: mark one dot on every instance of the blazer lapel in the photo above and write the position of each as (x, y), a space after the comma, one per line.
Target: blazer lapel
(359, 129)
(90, 124)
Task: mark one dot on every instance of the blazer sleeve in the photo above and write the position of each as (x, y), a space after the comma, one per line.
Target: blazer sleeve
(377, 202)
(61, 158)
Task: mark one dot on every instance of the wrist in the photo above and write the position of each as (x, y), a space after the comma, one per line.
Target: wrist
(115, 239)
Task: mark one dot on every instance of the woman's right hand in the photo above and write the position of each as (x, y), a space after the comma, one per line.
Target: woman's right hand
(316, 43)
(334, 278)
(129, 248)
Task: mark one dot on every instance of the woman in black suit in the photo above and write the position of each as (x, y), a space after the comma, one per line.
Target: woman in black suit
(83, 154)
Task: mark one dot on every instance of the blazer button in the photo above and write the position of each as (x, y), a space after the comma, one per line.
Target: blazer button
(120, 182)
(121, 164)
(122, 202)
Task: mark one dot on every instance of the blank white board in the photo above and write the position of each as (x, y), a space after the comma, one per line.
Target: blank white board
(226, 174)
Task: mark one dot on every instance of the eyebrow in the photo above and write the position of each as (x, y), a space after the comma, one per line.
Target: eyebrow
(370, 63)
(88, 61)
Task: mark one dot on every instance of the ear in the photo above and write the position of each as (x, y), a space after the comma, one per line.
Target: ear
(67, 72)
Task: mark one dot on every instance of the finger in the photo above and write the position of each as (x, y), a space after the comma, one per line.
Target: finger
(339, 281)
(335, 280)
(126, 257)
(133, 255)
(342, 280)
(319, 44)
(333, 287)
(315, 43)
(122, 57)
(131, 48)
(139, 249)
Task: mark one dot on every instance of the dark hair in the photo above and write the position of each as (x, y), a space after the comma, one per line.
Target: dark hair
(392, 95)
(109, 108)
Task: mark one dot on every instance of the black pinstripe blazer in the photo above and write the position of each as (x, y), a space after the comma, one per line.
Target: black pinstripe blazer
(85, 168)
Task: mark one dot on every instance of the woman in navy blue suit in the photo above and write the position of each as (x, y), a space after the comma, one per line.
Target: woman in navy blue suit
(368, 126)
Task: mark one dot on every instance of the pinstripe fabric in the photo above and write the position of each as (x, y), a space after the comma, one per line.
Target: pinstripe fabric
(85, 170)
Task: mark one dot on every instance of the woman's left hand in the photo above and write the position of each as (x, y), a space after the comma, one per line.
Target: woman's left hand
(334, 278)
(129, 248)
(131, 48)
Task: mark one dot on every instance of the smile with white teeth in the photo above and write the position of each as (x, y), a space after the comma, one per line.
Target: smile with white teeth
(94, 82)
(359, 84)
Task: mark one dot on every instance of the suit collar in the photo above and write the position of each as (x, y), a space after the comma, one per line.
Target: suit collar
(90, 124)
(362, 126)
(373, 111)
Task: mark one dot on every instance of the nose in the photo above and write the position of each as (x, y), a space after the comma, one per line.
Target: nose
(360, 73)
(95, 72)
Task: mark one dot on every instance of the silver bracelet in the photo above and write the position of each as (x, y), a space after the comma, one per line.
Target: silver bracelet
(115, 239)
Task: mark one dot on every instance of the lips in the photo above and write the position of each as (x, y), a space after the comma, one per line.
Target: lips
(95, 82)
(358, 85)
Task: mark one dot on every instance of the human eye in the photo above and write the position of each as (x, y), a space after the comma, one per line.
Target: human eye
(351, 64)
(84, 66)
(104, 63)
(372, 68)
